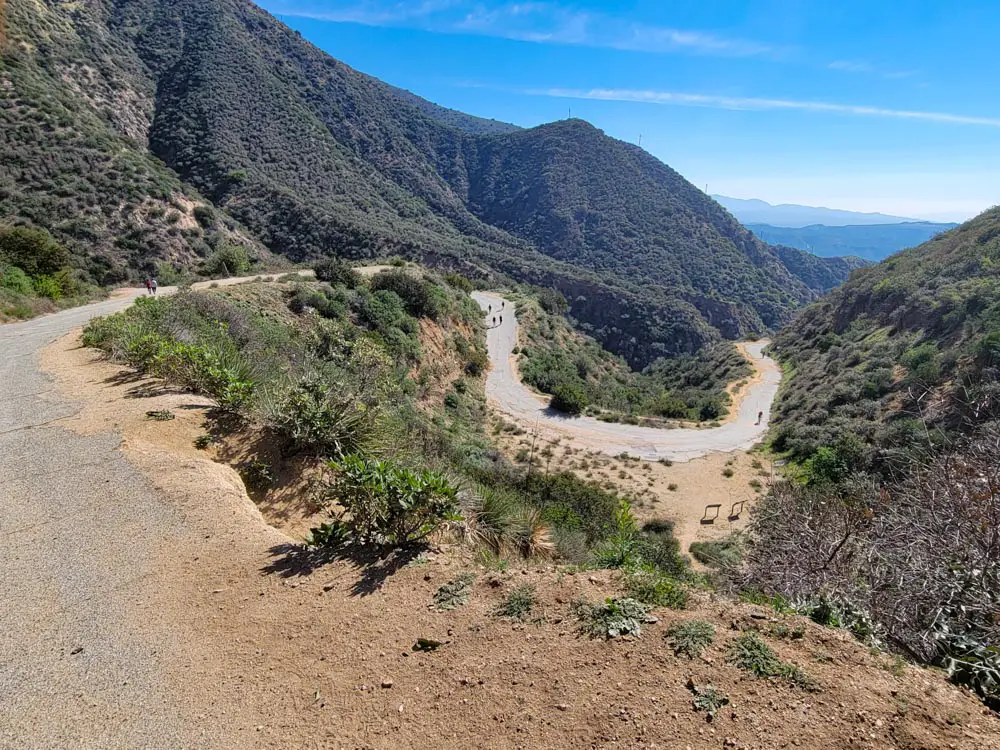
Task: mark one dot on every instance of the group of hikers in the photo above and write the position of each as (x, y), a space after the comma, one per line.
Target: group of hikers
(151, 286)
(490, 310)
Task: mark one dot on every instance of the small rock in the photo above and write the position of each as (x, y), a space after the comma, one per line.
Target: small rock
(387, 683)
(76, 651)
(563, 706)
(400, 709)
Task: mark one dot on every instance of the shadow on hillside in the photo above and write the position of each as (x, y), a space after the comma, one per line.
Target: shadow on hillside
(374, 566)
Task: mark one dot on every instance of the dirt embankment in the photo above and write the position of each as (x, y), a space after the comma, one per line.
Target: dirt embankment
(283, 654)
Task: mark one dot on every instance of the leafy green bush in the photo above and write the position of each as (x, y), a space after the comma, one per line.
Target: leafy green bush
(34, 251)
(690, 637)
(750, 653)
(419, 296)
(47, 286)
(318, 417)
(337, 271)
(16, 280)
(389, 504)
(719, 553)
(707, 698)
(569, 398)
(656, 589)
(228, 260)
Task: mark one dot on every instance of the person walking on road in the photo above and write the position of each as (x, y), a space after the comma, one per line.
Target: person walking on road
(152, 285)
(149, 286)
(494, 320)
(760, 417)
(501, 320)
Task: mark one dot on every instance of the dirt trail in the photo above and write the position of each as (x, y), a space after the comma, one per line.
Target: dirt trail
(510, 396)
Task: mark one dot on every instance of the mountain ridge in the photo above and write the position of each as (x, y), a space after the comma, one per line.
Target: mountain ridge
(218, 106)
(793, 215)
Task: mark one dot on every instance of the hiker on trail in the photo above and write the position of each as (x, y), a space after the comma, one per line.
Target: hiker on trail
(760, 417)
(494, 320)
(489, 309)
(501, 320)
(502, 306)
(152, 285)
(149, 286)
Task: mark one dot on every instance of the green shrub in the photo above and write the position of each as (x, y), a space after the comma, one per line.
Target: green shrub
(337, 271)
(719, 553)
(228, 260)
(457, 281)
(656, 589)
(690, 637)
(389, 504)
(707, 698)
(47, 286)
(317, 417)
(569, 398)
(16, 280)
(34, 251)
(750, 653)
(419, 296)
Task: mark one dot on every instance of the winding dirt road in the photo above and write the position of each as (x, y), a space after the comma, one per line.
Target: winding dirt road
(510, 396)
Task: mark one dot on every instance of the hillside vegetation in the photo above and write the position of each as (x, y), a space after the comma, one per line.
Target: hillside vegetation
(888, 522)
(906, 352)
(126, 134)
(559, 359)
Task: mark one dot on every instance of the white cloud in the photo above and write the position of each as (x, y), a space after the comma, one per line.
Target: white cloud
(754, 103)
(865, 67)
(545, 22)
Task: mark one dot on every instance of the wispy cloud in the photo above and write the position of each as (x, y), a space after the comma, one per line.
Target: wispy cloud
(865, 67)
(758, 104)
(545, 22)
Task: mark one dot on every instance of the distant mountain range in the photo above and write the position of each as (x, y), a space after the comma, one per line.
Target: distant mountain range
(830, 232)
(755, 211)
(872, 242)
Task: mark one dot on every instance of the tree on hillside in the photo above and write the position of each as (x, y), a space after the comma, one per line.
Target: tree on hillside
(34, 251)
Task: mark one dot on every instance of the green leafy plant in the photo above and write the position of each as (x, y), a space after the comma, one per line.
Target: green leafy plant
(519, 603)
(453, 594)
(690, 637)
(750, 653)
(707, 698)
(389, 504)
(612, 618)
(653, 588)
(160, 415)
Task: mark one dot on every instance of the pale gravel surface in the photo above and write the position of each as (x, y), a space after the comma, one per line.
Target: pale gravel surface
(80, 528)
(511, 397)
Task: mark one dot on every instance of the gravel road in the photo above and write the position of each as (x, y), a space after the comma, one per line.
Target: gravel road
(505, 389)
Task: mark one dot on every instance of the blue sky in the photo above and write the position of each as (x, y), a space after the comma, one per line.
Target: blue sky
(871, 106)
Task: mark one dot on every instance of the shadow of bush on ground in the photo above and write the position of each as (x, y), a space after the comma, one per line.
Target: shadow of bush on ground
(374, 565)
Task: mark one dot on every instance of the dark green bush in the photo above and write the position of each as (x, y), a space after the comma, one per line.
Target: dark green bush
(569, 398)
(337, 271)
